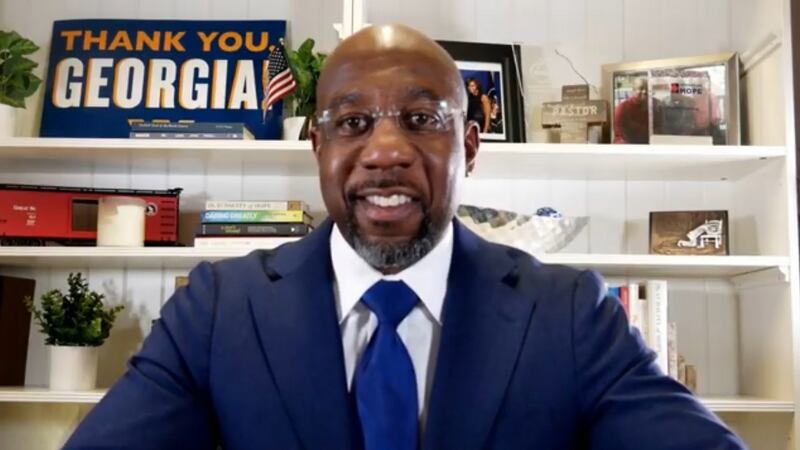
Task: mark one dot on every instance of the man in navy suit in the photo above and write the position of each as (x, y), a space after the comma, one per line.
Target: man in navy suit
(392, 326)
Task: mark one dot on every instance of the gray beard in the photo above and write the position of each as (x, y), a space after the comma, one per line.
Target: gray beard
(385, 257)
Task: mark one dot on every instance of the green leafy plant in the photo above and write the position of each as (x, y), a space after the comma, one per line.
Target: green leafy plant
(75, 319)
(17, 81)
(306, 66)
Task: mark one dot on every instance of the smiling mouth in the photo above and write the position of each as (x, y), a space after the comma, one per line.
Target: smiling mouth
(390, 201)
(388, 208)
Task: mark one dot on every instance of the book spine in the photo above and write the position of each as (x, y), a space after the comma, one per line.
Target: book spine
(691, 378)
(255, 216)
(250, 242)
(274, 205)
(14, 323)
(236, 229)
(636, 306)
(205, 127)
(658, 321)
(171, 135)
(181, 280)
(673, 350)
(624, 297)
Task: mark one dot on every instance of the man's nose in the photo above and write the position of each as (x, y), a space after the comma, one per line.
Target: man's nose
(387, 147)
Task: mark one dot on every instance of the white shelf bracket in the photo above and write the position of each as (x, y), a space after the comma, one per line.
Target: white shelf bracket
(354, 16)
(761, 278)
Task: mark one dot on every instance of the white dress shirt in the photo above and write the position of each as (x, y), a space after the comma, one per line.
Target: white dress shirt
(419, 331)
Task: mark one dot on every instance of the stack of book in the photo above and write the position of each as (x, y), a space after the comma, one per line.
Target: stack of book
(251, 223)
(647, 304)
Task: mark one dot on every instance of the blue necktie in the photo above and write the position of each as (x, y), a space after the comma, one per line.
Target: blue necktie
(385, 385)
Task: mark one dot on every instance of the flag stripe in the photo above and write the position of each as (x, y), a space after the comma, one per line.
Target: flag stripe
(279, 86)
(277, 79)
(281, 83)
(283, 90)
(272, 99)
(276, 91)
(285, 76)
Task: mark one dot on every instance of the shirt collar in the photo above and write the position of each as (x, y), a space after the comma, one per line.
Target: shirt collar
(427, 277)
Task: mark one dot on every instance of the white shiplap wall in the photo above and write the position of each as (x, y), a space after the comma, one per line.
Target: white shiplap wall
(590, 32)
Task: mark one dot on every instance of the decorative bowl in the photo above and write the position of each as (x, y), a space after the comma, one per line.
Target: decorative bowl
(545, 233)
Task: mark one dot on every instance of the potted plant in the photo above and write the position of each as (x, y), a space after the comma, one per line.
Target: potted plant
(17, 81)
(75, 324)
(306, 66)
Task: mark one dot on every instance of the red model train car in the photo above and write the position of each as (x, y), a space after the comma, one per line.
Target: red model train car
(31, 215)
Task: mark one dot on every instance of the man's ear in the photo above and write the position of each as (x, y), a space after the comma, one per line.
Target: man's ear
(316, 139)
(472, 141)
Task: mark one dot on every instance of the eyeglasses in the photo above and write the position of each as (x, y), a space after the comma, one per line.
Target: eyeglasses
(418, 118)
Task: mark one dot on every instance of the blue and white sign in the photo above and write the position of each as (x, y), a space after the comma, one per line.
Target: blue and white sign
(103, 73)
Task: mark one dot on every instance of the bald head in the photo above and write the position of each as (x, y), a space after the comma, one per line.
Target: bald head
(640, 88)
(392, 143)
(388, 46)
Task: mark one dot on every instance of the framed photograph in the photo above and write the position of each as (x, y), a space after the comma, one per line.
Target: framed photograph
(493, 79)
(675, 101)
(689, 233)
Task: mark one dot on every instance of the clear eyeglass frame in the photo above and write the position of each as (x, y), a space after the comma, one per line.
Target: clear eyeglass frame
(440, 116)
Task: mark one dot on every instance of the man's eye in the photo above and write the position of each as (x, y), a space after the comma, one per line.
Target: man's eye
(353, 124)
(421, 120)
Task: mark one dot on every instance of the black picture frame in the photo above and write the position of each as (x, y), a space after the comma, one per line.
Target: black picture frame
(508, 58)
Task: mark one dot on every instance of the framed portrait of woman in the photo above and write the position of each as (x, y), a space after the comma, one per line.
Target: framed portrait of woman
(492, 76)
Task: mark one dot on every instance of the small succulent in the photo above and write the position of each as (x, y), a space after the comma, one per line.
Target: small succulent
(75, 319)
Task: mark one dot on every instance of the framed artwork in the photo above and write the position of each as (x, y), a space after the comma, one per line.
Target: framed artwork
(493, 78)
(689, 233)
(675, 101)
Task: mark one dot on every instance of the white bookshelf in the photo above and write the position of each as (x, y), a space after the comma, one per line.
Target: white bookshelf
(732, 171)
(747, 404)
(738, 315)
(44, 395)
(187, 257)
(568, 161)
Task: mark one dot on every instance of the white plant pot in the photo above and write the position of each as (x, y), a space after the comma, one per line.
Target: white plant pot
(292, 126)
(73, 368)
(8, 121)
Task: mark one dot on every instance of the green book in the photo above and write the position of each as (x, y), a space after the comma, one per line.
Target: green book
(256, 216)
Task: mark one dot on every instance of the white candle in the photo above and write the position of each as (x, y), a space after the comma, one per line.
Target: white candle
(120, 222)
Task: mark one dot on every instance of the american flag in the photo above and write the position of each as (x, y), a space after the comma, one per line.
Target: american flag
(277, 79)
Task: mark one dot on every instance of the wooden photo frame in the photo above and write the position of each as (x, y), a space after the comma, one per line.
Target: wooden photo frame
(689, 233)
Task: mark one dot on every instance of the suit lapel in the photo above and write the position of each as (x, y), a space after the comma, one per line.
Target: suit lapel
(485, 320)
(295, 314)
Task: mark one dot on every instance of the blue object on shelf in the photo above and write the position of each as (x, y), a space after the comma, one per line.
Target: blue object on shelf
(548, 212)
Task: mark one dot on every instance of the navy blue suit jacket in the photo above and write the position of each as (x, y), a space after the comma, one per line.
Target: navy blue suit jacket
(532, 356)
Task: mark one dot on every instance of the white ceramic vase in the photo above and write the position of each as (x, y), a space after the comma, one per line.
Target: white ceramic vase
(8, 116)
(292, 126)
(73, 368)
